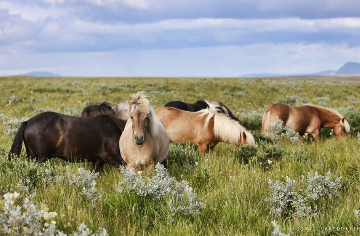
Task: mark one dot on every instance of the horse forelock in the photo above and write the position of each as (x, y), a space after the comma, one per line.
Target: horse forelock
(140, 103)
(347, 126)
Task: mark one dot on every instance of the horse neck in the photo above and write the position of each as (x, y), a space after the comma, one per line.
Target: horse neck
(329, 118)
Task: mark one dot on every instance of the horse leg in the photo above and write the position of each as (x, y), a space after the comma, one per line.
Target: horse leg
(203, 148)
(301, 139)
(315, 134)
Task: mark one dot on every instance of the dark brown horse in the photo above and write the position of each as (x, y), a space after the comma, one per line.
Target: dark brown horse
(197, 106)
(305, 119)
(120, 110)
(222, 108)
(51, 134)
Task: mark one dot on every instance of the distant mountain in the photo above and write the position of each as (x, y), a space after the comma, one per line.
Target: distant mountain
(350, 68)
(326, 72)
(42, 74)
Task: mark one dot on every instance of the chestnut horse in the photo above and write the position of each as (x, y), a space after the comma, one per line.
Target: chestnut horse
(305, 119)
(204, 128)
(51, 134)
(144, 142)
(120, 110)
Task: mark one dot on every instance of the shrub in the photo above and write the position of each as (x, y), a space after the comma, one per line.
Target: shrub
(22, 217)
(288, 203)
(84, 180)
(179, 196)
(184, 157)
(278, 132)
(353, 118)
(321, 186)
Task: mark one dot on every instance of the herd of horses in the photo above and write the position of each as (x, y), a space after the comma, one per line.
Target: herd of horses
(132, 133)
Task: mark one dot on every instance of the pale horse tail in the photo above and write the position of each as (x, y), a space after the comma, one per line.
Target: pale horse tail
(265, 127)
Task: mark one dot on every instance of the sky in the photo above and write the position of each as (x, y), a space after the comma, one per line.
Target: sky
(201, 38)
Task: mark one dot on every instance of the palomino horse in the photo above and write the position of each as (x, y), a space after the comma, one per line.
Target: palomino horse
(305, 119)
(144, 141)
(204, 128)
(51, 134)
(120, 110)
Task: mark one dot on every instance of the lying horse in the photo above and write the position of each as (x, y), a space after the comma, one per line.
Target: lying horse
(120, 110)
(51, 134)
(305, 119)
(144, 141)
(204, 128)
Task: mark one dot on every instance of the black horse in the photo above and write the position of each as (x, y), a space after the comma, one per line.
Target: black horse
(95, 110)
(219, 107)
(197, 106)
(51, 134)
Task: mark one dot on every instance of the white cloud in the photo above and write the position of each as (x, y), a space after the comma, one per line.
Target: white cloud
(32, 13)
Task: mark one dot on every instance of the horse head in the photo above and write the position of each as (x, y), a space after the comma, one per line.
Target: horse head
(141, 114)
(246, 138)
(342, 128)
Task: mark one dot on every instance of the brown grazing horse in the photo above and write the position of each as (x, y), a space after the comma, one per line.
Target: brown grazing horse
(305, 119)
(204, 128)
(120, 110)
(51, 134)
(144, 142)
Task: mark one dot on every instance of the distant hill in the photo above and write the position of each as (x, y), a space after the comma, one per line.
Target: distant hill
(350, 68)
(42, 74)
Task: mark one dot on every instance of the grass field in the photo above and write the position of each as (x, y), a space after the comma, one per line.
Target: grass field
(232, 183)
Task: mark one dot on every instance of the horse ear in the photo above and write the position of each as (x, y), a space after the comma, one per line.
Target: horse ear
(151, 101)
(244, 135)
(342, 121)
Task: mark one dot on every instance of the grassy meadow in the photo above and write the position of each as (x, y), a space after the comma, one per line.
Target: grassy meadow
(232, 182)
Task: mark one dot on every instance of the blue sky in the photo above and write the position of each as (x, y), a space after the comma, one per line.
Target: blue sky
(206, 38)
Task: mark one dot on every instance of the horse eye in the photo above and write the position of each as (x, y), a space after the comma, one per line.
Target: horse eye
(131, 117)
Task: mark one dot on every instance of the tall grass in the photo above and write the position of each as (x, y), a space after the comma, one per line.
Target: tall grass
(231, 182)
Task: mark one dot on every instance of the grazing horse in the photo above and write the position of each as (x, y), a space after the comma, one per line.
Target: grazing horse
(197, 106)
(120, 110)
(144, 141)
(204, 128)
(51, 134)
(305, 119)
(222, 108)
(218, 107)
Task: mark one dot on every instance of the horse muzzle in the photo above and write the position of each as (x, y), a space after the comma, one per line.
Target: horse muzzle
(139, 139)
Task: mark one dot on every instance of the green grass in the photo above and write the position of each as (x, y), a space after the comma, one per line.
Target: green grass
(232, 184)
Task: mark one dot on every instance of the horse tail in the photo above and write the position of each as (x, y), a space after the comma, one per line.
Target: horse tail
(265, 123)
(18, 140)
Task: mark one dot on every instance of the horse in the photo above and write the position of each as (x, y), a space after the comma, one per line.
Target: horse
(305, 119)
(204, 128)
(51, 134)
(120, 110)
(200, 105)
(197, 106)
(222, 108)
(144, 141)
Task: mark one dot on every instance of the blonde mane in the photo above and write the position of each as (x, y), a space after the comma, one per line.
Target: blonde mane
(140, 103)
(229, 130)
(334, 112)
